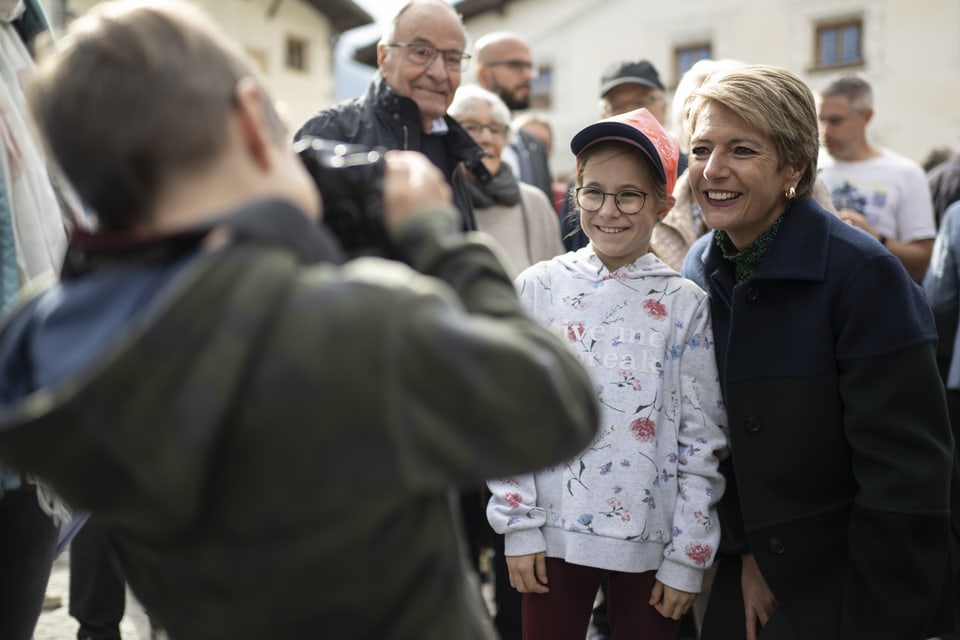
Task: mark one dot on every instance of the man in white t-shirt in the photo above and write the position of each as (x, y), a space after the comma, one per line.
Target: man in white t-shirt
(875, 189)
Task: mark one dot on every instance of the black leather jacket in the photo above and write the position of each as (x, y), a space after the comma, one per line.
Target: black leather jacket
(382, 117)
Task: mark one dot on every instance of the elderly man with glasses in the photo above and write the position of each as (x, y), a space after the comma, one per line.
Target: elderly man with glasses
(420, 61)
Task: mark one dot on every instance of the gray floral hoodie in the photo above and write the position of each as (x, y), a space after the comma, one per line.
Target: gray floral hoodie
(642, 495)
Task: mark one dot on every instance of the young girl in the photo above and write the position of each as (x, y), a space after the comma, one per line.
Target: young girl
(638, 503)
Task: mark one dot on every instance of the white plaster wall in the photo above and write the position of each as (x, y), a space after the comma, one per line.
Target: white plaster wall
(912, 53)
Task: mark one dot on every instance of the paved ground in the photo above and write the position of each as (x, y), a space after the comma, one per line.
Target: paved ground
(56, 623)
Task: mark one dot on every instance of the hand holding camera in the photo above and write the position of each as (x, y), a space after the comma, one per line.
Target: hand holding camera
(412, 183)
(349, 178)
(365, 191)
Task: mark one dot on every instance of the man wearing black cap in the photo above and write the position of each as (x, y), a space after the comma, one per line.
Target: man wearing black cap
(630, 84)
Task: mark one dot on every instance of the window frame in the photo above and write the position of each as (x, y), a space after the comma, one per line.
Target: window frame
(296, 54)
(695, 50)
(837, 27)
(541, 88)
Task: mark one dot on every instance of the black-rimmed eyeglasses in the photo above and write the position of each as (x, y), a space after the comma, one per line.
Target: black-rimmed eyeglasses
(423, 55)
(517, 66)
(629, 201)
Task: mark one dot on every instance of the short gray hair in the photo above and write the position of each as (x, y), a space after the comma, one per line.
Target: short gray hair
(852, 87)
(469, 94)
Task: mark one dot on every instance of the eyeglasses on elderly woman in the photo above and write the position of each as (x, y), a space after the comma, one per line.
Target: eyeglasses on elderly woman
(476, 128)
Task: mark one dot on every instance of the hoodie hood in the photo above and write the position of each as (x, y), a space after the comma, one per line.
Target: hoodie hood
(586, 263)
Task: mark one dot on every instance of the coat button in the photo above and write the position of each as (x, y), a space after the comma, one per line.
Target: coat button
(752, 294)
(753, 424)
(777, 547)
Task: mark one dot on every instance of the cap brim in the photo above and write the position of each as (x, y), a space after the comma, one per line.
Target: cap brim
(607, 86)
(617, 132)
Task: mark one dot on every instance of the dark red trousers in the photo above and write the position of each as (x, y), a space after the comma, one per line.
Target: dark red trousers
(564, 613)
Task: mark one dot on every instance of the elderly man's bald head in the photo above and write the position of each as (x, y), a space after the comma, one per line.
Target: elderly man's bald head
(421, 55)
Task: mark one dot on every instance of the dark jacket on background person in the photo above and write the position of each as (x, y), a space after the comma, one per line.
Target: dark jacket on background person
(272, 447)
(944, 181)
(941, 284)
(840, 444)
(533, 162)
(942, 287)
(382, 117)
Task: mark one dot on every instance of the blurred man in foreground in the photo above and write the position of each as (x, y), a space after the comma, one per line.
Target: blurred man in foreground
(269, 438)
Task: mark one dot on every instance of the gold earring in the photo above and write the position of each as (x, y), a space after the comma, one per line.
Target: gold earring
(791, 193)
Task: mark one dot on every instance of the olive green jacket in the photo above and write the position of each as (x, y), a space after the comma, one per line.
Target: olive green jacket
(273, 446)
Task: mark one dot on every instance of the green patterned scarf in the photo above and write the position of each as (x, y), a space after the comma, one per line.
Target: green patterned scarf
(747, 261)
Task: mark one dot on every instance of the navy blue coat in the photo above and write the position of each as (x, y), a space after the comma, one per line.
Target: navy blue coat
(841, 448)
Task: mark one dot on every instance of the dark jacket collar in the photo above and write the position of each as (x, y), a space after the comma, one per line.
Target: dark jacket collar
(800, 251)
(461, 146)
(383, 96)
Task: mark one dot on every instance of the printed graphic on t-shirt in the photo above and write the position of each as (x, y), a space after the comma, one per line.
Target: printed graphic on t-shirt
(868, 200)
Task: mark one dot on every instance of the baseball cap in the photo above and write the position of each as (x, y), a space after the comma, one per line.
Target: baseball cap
(630, 72)
(640, 129)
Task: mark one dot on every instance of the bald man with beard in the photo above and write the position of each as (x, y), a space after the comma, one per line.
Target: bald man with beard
(505, 67)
